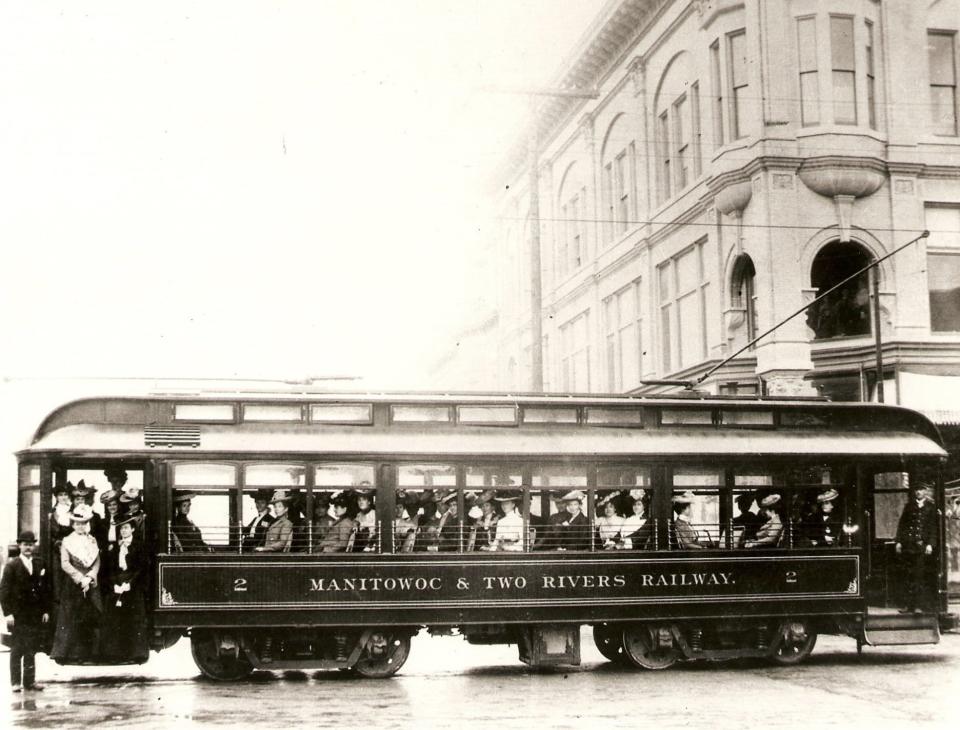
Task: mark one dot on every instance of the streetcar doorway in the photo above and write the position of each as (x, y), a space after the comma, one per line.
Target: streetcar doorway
(888, 573)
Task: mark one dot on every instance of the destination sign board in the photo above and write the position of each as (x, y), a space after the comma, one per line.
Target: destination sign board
(453, 583)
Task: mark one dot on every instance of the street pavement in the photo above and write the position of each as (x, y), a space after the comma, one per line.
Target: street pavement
(448, 683)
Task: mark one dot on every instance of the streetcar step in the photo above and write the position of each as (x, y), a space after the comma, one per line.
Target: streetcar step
(886, 630)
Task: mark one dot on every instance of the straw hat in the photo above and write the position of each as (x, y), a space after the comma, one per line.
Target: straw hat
(770, 500)
(111, 495)
(828, 496)
(281, 495)
(81, 513)
(183, 496)
(687, 497)
(574, 496)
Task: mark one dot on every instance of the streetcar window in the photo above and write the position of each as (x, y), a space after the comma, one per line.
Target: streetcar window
(572, 477)
(344, 475)
(420, 414)
(549, 415)
(261, 483)
(427, 475)
(741, 526)
(622, 509)
(277, 476)
(482, 477)
(210, 512)
(746, 418)
(686, 417)
(614, 416)
(889, 497)
(29, 517)
(490, 415)
(29, 498)
(220, 412)
(696, 509)
(340, 413)
(204, 475)
(817, 508)
(256, 412)
(210, 509)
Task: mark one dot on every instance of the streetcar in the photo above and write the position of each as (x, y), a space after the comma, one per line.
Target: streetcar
(466, 460)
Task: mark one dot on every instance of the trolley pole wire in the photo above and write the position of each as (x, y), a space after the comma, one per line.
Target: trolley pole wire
(691, 384)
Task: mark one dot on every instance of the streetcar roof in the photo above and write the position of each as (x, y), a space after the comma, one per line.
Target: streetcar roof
(479, 442)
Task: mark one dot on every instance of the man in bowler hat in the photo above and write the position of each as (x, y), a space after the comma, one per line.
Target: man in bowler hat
(25, 595)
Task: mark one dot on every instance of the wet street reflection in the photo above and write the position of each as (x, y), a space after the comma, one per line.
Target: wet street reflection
(448, 683)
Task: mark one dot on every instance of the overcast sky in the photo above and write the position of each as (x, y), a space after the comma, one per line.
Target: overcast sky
(254, 189)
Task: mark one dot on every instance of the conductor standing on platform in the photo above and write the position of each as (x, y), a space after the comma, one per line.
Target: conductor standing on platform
(25, 595)
(916, 541)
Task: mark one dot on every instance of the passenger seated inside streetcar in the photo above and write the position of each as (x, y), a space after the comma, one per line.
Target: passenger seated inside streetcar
(509, 532)
(404, 529)
(321, 518)
(609, 525)
(484, 529)
(685, 535)
(745, 524)
(366, 518)
(770, 532)
(448, 525)
(826, 527)
(341, 532)
(636, 530)
(186, 535)
(279, 537)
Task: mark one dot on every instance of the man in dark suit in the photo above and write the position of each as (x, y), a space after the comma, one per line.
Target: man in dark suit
(917, 542)
(25, 595)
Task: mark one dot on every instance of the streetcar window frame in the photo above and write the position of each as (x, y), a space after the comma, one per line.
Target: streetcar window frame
(404, 413)
(192, 413)
(364, 413)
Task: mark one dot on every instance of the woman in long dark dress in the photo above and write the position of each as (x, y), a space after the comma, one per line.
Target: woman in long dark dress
(78, 615)
(124, 633)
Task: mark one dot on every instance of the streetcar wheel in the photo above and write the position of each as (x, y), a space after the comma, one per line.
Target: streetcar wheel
(796, 643)
(223, 667)
(641, 648)
(609, 641)
(383, 656)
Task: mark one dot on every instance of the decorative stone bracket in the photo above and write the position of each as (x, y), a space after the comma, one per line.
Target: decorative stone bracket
(844, 181)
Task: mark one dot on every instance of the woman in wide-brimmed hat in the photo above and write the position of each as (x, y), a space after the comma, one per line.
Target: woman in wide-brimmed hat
(107, 535)
(827, 527)
(338, 536)
(186, 535)
(770, 531)
(509, 533)
(123, 636)
(686, 535)
(78, 615)
(637, 531)
(610, 523)
(279, 537)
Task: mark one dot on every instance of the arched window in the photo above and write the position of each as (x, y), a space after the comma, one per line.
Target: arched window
(570, 250)
(677, 128)
(619, 179)
(846, 311)
(742, 294)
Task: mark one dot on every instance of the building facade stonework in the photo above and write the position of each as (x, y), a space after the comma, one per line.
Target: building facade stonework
(740, 157)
